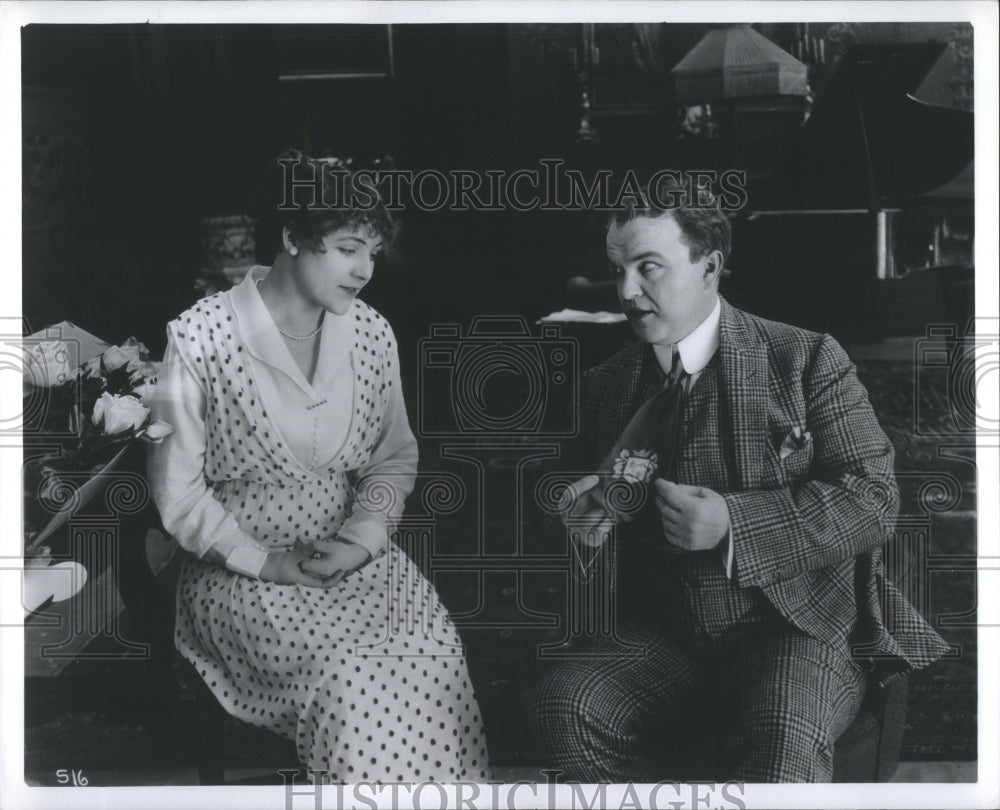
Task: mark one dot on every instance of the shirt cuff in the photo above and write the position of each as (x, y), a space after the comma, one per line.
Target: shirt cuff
(727, 554)
(246, 560)
(367, 532)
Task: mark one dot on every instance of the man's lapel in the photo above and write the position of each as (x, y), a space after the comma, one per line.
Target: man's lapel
(745, 391)
(618, 399)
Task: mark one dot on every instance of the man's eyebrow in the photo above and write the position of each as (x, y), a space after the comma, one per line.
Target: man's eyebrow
(649, 254)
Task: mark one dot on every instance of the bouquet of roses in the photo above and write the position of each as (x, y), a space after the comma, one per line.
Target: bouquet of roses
(90, 413)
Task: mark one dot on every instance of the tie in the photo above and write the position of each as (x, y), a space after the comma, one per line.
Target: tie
(670, 416)
(646, 448)
(644, 451)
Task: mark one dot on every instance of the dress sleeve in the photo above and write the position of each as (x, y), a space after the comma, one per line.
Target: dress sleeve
(188, 509)
(384, 483)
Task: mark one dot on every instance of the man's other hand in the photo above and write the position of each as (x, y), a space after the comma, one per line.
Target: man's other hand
(693, 518)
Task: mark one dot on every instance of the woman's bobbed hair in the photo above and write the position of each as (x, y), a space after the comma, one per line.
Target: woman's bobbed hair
(313, 197)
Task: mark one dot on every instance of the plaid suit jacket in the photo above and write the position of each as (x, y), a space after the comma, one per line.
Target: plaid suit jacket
(807, 529)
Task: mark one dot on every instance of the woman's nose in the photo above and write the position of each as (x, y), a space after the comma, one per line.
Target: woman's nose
(363, 267)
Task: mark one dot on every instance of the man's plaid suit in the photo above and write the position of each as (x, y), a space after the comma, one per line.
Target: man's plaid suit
(780, 426)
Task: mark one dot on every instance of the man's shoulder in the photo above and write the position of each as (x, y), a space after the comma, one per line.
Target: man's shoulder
(792, 351)
(613, 367)
(783, 340)
(775, 331)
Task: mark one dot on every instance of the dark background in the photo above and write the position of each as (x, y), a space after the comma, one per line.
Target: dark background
(133, 133)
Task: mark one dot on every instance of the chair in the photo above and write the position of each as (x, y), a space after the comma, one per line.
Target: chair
(187, 709)
(868, 751)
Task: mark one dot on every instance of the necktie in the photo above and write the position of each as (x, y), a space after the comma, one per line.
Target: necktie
(645, 450)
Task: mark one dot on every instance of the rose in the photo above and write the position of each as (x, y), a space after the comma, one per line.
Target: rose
(118, 356)
(144, 391)
(143, 371)
(46, 363)
(119, 413)
(157, 431)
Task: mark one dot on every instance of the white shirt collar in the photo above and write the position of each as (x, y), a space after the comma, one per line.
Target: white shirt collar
(699, 346)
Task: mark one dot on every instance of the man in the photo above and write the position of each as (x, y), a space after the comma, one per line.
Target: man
(748, 589)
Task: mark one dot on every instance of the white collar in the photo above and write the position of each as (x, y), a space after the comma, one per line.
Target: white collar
(698, 346)
(260, 333)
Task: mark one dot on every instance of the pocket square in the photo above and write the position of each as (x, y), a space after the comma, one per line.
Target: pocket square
(796, 439)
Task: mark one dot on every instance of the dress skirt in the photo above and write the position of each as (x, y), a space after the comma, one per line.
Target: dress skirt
(367, 677)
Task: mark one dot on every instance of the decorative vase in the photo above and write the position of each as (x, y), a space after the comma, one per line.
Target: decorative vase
(227, 246)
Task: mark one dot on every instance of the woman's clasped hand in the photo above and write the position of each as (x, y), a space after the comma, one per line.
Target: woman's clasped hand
(319, 564)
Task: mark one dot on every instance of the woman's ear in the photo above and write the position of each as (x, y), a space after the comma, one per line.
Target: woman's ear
(287, 242)
(713, 267)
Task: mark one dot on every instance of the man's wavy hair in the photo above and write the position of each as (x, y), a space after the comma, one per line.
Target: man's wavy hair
(704, 228)
(324, 198)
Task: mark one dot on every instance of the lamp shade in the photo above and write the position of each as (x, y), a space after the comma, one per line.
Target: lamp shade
(737, 62)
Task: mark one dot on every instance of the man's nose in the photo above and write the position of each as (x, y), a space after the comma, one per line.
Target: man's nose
(628, 286)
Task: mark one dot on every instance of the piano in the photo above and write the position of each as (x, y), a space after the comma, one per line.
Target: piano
(865, 229)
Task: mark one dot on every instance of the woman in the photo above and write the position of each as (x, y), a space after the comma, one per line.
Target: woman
(291, 460)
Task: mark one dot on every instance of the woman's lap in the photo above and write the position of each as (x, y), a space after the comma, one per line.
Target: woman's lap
(319, 666)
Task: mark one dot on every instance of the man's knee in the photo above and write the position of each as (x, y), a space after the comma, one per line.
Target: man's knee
(569, 702)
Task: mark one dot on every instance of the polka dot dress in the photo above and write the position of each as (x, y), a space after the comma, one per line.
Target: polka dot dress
(367, 677)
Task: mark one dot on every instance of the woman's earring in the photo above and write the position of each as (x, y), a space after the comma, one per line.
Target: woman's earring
(294, 251)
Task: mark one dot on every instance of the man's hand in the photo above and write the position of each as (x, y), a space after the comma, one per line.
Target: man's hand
(583, 502)
(329, 558)
(694, 518)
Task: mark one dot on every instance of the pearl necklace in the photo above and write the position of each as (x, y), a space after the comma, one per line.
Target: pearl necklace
(283, 333)
(310, 336)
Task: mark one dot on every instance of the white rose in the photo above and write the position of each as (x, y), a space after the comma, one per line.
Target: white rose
(119, 413)
(112, 359)
(144, 391)
(136, 351)
(158, 431)
(144, 371)
(46, 363)
(118, 356)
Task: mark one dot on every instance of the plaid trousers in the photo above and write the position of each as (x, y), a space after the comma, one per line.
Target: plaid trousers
(762, 703)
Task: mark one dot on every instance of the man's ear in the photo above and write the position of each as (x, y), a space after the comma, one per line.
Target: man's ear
(713, 267)
(287, 241)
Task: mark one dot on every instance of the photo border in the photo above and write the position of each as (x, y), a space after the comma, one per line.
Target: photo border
(983, 15)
